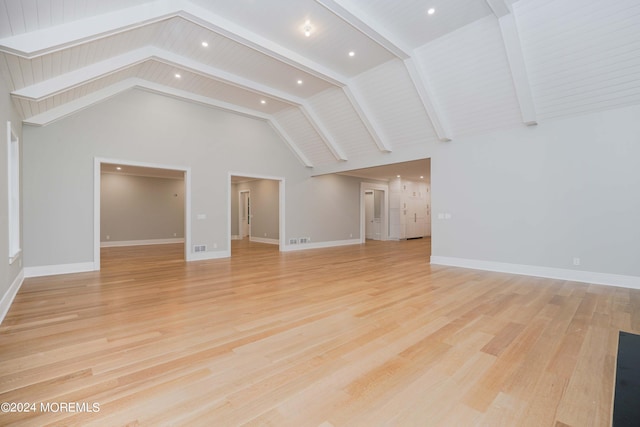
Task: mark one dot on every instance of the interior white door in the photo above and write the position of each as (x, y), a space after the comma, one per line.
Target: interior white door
(378, 211)
(245, 214)
(368, 214)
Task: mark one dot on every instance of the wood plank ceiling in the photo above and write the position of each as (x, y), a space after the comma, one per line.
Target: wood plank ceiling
(414, 78)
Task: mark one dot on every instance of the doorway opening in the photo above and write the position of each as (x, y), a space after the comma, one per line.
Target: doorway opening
(374, 208)
(373, 212)
(403, 193)
(256, 216)
(140, 205)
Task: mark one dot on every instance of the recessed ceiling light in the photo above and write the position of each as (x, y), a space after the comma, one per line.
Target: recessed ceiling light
(178, 75)
(421, 177)
(431, 11)
(307, 28)
(205, 44)
(397, 176)
(119, 168)
(300, 82)
(352, 53)
(262, 101)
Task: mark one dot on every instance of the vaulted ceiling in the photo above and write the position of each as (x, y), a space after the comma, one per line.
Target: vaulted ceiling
(413, 78)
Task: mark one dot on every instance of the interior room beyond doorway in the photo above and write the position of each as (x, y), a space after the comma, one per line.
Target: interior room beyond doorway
(141, 208)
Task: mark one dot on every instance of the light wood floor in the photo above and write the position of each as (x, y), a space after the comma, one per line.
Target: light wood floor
(362, 335)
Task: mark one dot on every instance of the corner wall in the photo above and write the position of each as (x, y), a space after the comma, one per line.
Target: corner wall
(535, 200)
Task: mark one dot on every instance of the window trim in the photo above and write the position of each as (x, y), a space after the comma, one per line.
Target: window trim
(13, 194)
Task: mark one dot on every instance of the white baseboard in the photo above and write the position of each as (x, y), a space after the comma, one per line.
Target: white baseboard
(236, 237)
(51, 270)
(595, 278)
(110, 244)
(202, 256)
(264, 240)
(11, 293)
(319, 245)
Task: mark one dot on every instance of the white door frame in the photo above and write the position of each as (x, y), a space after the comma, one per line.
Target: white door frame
(240, 207)
(384, 233)
(281, 205)
(97, 167)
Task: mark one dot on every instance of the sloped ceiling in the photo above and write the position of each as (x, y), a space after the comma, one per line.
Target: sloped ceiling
(414, 78)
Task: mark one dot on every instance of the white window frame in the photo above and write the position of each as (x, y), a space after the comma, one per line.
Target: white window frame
(13, 194)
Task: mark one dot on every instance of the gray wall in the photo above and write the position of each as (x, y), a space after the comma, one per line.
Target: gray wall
(138, 126)
(140, 208)
(543, 195)
(8, 272)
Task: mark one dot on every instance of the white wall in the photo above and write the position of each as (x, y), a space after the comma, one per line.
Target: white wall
(143, 127)
(10, 274)
(541, 196)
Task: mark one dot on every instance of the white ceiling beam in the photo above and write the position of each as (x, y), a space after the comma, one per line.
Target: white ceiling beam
(100, 95)
(425, 93)
(499, 7)
(52, 39)
(374, 130)
(515, 57)
(348, 15)
(292, 145)
(51, 87)
(375, 32)
(240, 34)
(56, 85)
(76, 105)
(325, 135)
(47, 40)
(381, 36)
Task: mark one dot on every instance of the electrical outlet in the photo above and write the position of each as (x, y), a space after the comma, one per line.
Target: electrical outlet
(576, 261)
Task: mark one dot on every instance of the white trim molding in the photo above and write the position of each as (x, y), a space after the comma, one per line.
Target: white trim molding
(591, 277)
(203, 256)
(117, 243)
(52, 270)
(8, 297)
(319, 245)
(264, 240)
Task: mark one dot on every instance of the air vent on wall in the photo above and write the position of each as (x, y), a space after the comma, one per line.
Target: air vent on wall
(199, 248)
